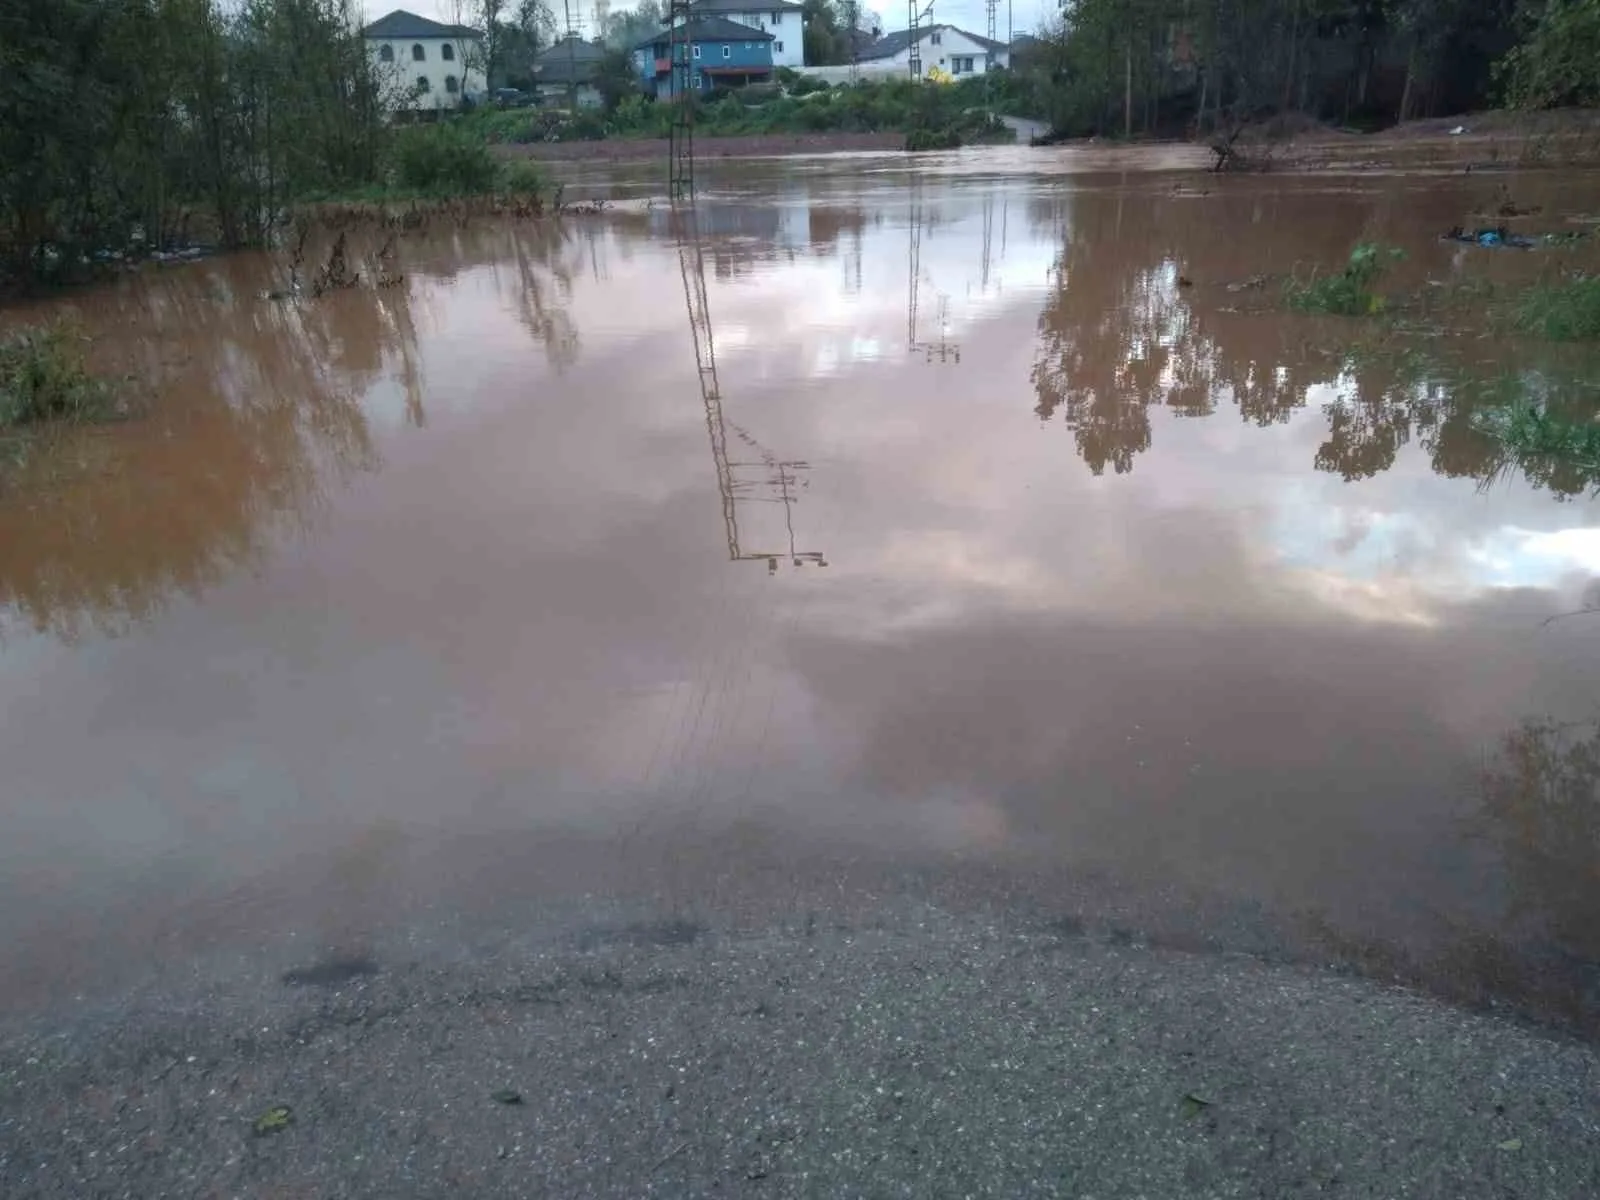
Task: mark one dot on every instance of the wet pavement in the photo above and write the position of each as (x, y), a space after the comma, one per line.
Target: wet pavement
(974, 518)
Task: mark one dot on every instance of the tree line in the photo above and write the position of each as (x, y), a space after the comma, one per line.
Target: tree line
(1146, 66)
(147, 122)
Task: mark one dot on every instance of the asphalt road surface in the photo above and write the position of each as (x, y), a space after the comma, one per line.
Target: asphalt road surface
(915, 1052)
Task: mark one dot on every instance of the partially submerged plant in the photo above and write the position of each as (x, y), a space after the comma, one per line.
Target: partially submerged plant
(1349, 293)
(1564, 312)
(44, 377)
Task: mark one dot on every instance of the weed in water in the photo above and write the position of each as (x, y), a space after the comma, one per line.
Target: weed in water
(1564, 312)
(44, 377)
(1349, 293)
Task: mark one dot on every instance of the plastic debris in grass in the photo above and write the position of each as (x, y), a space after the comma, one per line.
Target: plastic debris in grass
(1498, 237)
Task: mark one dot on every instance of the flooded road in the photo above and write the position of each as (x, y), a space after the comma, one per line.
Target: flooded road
(963, 516)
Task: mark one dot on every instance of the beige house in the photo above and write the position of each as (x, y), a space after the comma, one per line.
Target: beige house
(423, 63)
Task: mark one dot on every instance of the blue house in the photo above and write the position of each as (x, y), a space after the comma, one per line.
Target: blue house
(721, 52)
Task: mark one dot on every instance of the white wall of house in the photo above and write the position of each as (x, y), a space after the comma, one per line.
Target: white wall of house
(948, 48)
(786, 27)
(441, 60)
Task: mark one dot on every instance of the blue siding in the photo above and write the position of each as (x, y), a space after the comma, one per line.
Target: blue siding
(708, 60)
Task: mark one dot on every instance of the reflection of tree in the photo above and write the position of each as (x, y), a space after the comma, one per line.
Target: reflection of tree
(102, 527)
(1541, 802)
(1120, 333)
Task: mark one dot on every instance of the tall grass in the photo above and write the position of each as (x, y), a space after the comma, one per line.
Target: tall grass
(1564, 312)
(1350, 292)
(44, 377)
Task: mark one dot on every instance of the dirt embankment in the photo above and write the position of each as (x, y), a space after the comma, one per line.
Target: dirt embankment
(749, 146)
(1486, 141)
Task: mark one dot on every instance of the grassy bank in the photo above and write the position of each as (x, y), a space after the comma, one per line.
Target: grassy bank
(931, 116)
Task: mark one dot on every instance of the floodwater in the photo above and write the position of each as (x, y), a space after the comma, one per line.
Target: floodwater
(971, 511)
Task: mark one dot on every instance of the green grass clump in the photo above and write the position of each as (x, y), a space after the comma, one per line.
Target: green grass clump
(1565, 312)
(1350, 292)
(44, 378)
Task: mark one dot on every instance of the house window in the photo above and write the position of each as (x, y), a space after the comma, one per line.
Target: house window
(448, 52)
(418, 54)
(452, 84)
(386, 52)
(697, 79)
(777, 47)
(960, 66)
(777, 17)
(936, 38)
(727, 52)
(423, 85)
(697, 51)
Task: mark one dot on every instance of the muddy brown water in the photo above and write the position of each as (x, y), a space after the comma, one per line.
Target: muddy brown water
(972, 520)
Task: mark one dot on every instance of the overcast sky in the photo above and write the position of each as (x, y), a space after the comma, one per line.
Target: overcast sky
(1025, 15)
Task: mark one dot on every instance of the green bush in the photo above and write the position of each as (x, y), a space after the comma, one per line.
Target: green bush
(443, 159)
(1567, 312)
(522, 176)
(1349, 293)
(43, 377)
(807, 85)
(933, 139)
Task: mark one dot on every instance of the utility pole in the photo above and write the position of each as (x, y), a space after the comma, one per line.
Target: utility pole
(680, 132)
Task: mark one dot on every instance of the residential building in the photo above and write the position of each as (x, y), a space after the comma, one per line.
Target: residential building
(783, 20)
(565, 72)
(422, 63)
(720, 52)
(940, 46)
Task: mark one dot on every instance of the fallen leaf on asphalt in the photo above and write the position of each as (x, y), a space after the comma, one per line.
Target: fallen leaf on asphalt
(1193, 1105)
(277, 1118)
(1509, 1144)
(506, 1096)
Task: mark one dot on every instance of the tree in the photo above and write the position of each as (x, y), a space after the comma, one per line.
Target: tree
(625, 30)
(1559, 62)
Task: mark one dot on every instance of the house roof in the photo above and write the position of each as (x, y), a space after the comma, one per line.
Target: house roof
(401, 24)
(571, 59)
(708, 7)
(711, 29)
(891, 44)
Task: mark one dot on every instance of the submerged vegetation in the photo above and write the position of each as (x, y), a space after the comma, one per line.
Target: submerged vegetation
(1564, 312)
(44, 377)
(1349, 293)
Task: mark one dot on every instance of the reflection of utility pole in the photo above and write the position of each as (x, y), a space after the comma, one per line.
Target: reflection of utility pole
(680, 130)
(946, 349)
(777, 482)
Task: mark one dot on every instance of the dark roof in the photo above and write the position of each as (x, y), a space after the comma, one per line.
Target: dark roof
(570, 60)
(891, 44)
(707, 7)
(711, 29)
(401, 24)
